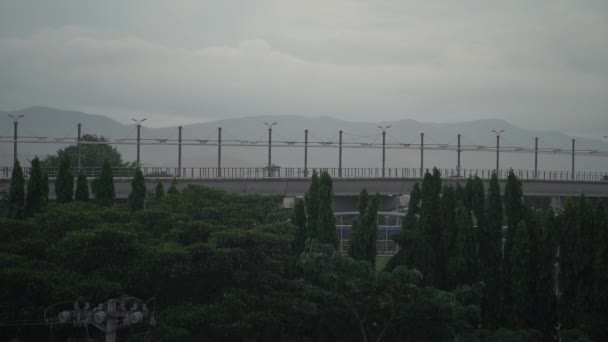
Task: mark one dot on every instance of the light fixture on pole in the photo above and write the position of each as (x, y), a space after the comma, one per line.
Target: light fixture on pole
(15, 124)
(270, 146)
(498, 150)
(383, 128)
(138, 122)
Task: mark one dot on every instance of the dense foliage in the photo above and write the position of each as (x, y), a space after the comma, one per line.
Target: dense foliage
(92, 154)
(64, 184)
(103, 187)
(520, 289)
(223, 267)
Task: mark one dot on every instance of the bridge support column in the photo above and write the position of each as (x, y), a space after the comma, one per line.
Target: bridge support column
(557, 203)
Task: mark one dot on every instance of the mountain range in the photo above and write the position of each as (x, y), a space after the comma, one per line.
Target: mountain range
(56, 123)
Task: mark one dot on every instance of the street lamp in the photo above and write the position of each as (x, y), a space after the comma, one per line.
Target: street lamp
(497, 149)
(383, 128)
(15, 124)
(138, 122)
(270, 146)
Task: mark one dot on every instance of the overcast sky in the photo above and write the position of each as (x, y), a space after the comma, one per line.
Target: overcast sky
(538, 64)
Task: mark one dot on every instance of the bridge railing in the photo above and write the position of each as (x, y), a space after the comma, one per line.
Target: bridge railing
(296, 172)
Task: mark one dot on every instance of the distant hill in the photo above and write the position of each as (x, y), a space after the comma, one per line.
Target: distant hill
(43, 121)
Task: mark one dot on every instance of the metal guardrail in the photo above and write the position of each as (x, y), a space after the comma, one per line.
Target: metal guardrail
(293, 172)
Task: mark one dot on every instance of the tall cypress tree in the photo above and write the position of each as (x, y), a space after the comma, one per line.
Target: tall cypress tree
(173, 188)
(371, 216)
(518, 315)
(414, 251)
(449, 231)
(64, 184)
(312, 205)
(466, 258)
(478, 204)
(45, 188)
(298, 219)
(137, 196)
(491, 256)
(365, 229)
(104, 186)
(326, 221)
(576, 259)
(545, 312)
(82, 188)
(16, 192)
(430, 220)
(358, 235)
(159, 190)
(598, 328)
(514, 209)
(34, 200)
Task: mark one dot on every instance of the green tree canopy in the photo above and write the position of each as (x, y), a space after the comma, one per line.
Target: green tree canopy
(82, 188)
(91, 155)
(138, 191)
(16, 192)
(159, 190)
(326, 226)
(64, 184)
(103, 187)
(35, 197)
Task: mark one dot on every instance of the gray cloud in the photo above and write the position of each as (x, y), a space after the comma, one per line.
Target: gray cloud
(540, 65)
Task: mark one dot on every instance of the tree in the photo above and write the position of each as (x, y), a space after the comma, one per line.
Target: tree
(466, 258)
(91, 155)
(358, 235)
(34, 200)
(326, 226)
(298, 218)
(365, 229)
(82, 188)
(173, 188)
(16, 192)
(45, 188)
(514, 209)
(414, 251)
(138, 191)
(491, 255)
(520, 258)
(430, 222)
(312, 205)
(450, 233)
(159, 191)
(103, 187)
(64, 184)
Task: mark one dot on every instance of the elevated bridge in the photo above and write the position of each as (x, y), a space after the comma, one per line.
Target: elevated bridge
(394, 186)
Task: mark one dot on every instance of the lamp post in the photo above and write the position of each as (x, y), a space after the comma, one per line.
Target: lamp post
(15, 124)
(270, 146)
(498, 149)
(383, 146)
(138, 122)
(219, 151)
(305, 153)
(458, 162)
(340, 155)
